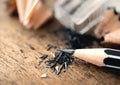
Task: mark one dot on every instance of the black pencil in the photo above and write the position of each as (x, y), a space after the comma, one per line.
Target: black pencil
(99, 56)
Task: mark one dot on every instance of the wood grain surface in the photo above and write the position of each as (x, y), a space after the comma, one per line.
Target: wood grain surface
(20, 50)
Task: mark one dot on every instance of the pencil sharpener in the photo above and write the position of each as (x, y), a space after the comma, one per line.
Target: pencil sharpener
(79, 15)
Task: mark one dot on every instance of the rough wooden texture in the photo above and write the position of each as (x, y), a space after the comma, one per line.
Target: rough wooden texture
(20, 50)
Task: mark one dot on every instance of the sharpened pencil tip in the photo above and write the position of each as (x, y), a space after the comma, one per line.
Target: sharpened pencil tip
(70, 51)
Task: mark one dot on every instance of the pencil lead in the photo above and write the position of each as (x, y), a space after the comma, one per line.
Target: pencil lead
(62, 60)
(49, 46)
(43, 57)
(69, 51)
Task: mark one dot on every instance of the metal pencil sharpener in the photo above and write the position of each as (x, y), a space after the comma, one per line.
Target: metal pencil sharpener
(79, 15)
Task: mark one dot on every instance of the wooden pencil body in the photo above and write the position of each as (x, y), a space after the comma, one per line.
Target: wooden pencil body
(109, 23)
(94, 56)
(113, 37)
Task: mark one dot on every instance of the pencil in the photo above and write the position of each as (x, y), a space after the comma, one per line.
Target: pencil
(21, 5)
(29, 3)
(113, 37)
(109, 23)
(31, 11)
(103, 57)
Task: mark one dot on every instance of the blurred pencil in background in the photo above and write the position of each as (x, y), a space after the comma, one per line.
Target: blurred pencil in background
(112, 37)
(32, 13)
(109, 28)
(109, 23)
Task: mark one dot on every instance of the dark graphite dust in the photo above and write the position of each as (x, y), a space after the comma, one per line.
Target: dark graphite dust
(61, 60)
(76, 40)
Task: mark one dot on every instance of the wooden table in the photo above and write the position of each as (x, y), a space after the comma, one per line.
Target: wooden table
(20, 50)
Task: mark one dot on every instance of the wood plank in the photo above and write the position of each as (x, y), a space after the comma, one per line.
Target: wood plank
(18, 62)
